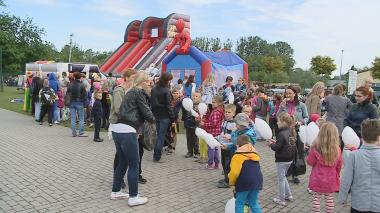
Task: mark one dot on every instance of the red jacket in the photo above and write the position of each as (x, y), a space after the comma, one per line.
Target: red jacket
(213, 123)
(323, 178)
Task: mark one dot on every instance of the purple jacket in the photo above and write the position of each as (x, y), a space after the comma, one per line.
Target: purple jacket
(323, 178)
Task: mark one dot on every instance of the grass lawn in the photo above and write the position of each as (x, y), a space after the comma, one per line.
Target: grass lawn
(9, 94)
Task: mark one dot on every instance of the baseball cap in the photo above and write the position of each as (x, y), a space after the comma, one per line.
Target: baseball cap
(242, 119)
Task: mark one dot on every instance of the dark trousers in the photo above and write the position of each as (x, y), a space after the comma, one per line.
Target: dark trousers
(46, 109)
(226, 156)
(356, 211)
(127, 151)
(192, 141)
(141, 153)
(98, 125)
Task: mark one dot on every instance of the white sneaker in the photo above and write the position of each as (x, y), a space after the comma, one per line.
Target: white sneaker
(119, 195)
(135, 201)
(279, 202)
(289, 198)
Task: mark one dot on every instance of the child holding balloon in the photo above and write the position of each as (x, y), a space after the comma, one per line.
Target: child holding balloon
(326, 161)
(285, 150)
(191, 122)
(212, 124)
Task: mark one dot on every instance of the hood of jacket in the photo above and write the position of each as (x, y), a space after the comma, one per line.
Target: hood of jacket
(248, 152)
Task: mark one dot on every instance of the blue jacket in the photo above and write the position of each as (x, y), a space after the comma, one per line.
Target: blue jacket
(53, 82)
(361, 175)
(247, 131)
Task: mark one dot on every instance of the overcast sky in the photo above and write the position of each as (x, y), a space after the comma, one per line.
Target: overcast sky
(311, 27)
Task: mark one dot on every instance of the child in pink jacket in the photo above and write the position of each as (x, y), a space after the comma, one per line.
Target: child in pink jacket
(326, 161)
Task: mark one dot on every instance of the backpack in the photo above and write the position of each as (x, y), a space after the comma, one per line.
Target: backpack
(47, 96)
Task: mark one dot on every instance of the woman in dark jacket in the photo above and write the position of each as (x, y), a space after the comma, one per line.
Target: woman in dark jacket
(36, 87)
(134, 110)
(361, 110)
(160, 102)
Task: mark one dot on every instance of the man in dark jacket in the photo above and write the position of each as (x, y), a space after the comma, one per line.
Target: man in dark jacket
(163, 113)
(77, 92)
(36, 87)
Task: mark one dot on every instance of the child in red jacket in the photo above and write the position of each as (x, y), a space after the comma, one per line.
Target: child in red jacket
(326, 161)
(212, 124)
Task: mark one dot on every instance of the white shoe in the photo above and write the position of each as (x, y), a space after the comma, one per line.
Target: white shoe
(56, 122)
(135, 201)
(119, 195)
(290, 198)
(279, 202)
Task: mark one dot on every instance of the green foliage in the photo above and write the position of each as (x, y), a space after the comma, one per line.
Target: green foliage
(376, 68)
(2, 4)
(211, 44)
(304, 78)
(322, 65)
(22, 42)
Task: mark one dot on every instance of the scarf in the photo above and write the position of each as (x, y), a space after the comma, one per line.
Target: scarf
(291, 108)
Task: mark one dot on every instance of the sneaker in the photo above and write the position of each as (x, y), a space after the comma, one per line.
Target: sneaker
(135, 201)
(289, 198)
(221, 181)
(50, 124)
(142, 180)
(223, 184)
(188, 155)
(209, 166)
(296, 180)
(98, 140)
(196, 156)
(279, 202)
(56, 122)
(119, 195)
(41, 123)
(82, 135)
(309, 191)
(216, 166)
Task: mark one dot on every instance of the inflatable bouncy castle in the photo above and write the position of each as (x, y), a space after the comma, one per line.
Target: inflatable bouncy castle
(144, 44)
(200, 64)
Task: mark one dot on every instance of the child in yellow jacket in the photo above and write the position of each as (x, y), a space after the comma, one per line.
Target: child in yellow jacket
(245, 175)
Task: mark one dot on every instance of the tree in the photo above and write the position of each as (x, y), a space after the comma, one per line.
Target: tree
(272, 65)
(2, 4)
(376, 68)
(227, 45)
(305, 78)
(22, 42)
(322, 65)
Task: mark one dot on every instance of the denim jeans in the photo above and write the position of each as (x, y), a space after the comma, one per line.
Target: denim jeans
(127, 150)
(283, 185)
(55, 112)
(162, 128)
(251, 197)
(77, 107)
(37, 110)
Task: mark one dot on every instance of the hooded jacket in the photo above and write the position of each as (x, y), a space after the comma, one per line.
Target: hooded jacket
(234, 135)
(285, 151)
(53, 82)
(245, 173)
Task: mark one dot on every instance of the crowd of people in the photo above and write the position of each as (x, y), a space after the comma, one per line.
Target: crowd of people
(135, 102)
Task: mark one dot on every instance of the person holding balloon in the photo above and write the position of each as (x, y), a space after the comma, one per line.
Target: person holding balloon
(325, 158)
(191, 121)
(213, 125)
(297, 109)
(361, 110)
(285, 150)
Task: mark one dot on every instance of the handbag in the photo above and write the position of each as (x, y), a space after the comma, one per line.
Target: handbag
(149, 134)
(298, 166)
(67, 99)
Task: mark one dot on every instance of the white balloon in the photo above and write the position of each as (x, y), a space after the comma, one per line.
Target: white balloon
(210, 140)
(200, 133)
(312, 131)
(230, 206)
(263, 129)
(187, 103)
(194, 113)
(202, 108)
(231, 98)
(350, 137)
(302, 134)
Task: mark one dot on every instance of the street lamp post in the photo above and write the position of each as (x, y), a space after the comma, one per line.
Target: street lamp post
(341, 62)
(71, 42)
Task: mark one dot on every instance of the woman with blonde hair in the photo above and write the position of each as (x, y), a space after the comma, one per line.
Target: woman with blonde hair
(313, 100)
(208, 89)
(134, 110)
